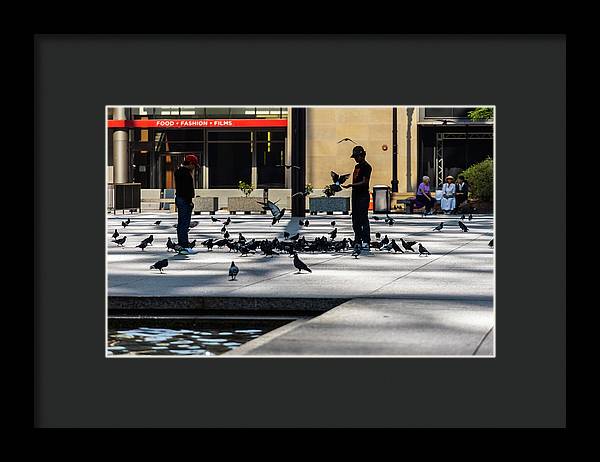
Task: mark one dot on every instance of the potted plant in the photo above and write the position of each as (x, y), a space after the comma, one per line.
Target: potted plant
(246, 203)
(328, 203)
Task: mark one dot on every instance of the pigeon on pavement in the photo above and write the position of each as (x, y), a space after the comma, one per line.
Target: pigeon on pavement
(157, 222)
(121, 241)
(214, 220)
(115, 234)
(423, 250)
(439, 227)
(396, 247)
(491, 243)
(463, 226)
(170, 244)
(286, 234)
(124, 224)
(470, 217)
(332, 224)
(408, 245)
(142, 245)
(306, 223)
(300, 265)
(159, 265)
(233, 271)
(228, 221)
(333, 234)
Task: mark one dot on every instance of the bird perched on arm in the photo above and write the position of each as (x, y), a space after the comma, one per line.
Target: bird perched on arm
(233, 271)
(337, 181)
(300, 265)
(159, 265)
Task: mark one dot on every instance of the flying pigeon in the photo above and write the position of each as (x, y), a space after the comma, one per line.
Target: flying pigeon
(288, 166)
(159, 265)
(157, 222)
(300, 193)
(142, 245)
(121, 241)
(233, 271)
(463, 226)
(423, 250)
(357, 251)
(346, 139)
(115, 234)
(300, 264)
(338, 180)
(439, 227)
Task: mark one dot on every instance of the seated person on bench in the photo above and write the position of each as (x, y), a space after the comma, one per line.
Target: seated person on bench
(423, 197)
(462, 191)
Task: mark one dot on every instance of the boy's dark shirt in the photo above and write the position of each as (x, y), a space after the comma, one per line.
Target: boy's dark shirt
(361, 170)
(184, 184)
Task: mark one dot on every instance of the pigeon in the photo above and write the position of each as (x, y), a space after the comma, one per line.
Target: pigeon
(333, 234)
(192, 244)
(376, 218)
(159, 265)
(375, 245)
(214, 220)
(389, 220)
(385, 240)
(278, 216)
(491, 243)
(221, 242)
(208, 243)
(142, 245)
(463, 226)
(226, 235)
(193, 224)
(149, 239)
(233, 271)
(423, 250)
(124, 224)
(288, 166)
(462, 217)
(128, 221)
(396, 247)
(439, 227)
(115, 234)
(300, 223)
(244, 250)
(228, 221)
(357, 251)
(300, 193)
(378, 235)
(408, 245)
(170, 244)
(332, 224)
(121, 241)
(295, 237)
(346, 139)
(241, 238)
(337, 181)
(268, 251)
(470, 217)
(223, 229)
(286, 234)
(175, 225)
(306, 223)
(300, 264)
(157, 222)
(231, 246)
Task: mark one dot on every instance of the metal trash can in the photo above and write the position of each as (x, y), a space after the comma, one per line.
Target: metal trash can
(381, 198)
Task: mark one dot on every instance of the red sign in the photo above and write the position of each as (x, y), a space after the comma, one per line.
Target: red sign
(197, 123)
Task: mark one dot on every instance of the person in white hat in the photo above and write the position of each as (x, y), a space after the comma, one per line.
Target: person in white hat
(448, 202)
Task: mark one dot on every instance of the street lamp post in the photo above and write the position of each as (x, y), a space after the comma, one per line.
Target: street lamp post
(394, 150)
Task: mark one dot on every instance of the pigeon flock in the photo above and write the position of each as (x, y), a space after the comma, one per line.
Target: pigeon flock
(290, 245)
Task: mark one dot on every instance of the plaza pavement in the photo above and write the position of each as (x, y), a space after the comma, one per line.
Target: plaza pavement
(399, 304)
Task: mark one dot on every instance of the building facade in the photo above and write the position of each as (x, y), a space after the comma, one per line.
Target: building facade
(147, 144)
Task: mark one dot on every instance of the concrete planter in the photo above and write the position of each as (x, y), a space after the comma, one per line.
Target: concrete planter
(329, 205)
(244, 204)
(205, 204)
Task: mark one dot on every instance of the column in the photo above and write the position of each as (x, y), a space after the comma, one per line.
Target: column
(120, 145)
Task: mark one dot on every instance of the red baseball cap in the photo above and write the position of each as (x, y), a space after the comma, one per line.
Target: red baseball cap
(192, 159)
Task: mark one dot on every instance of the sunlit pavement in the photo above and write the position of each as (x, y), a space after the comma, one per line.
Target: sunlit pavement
(444, 301)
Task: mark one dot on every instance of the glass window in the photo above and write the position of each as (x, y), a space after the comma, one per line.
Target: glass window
(268, 155)
(218, 112)
(448, 112)
(270, 135)
(229, 135)
(228, 163)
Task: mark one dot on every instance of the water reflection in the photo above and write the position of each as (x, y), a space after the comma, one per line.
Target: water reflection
(193, 337)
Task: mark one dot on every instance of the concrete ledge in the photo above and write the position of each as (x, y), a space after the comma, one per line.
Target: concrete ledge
(119, 305)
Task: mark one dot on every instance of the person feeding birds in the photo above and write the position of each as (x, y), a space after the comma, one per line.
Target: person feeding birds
(360, 197)
(184, 193)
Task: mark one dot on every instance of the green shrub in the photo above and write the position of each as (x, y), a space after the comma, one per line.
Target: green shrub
(481, 113)
(308, 189)
(245, 188)
(481, 180)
